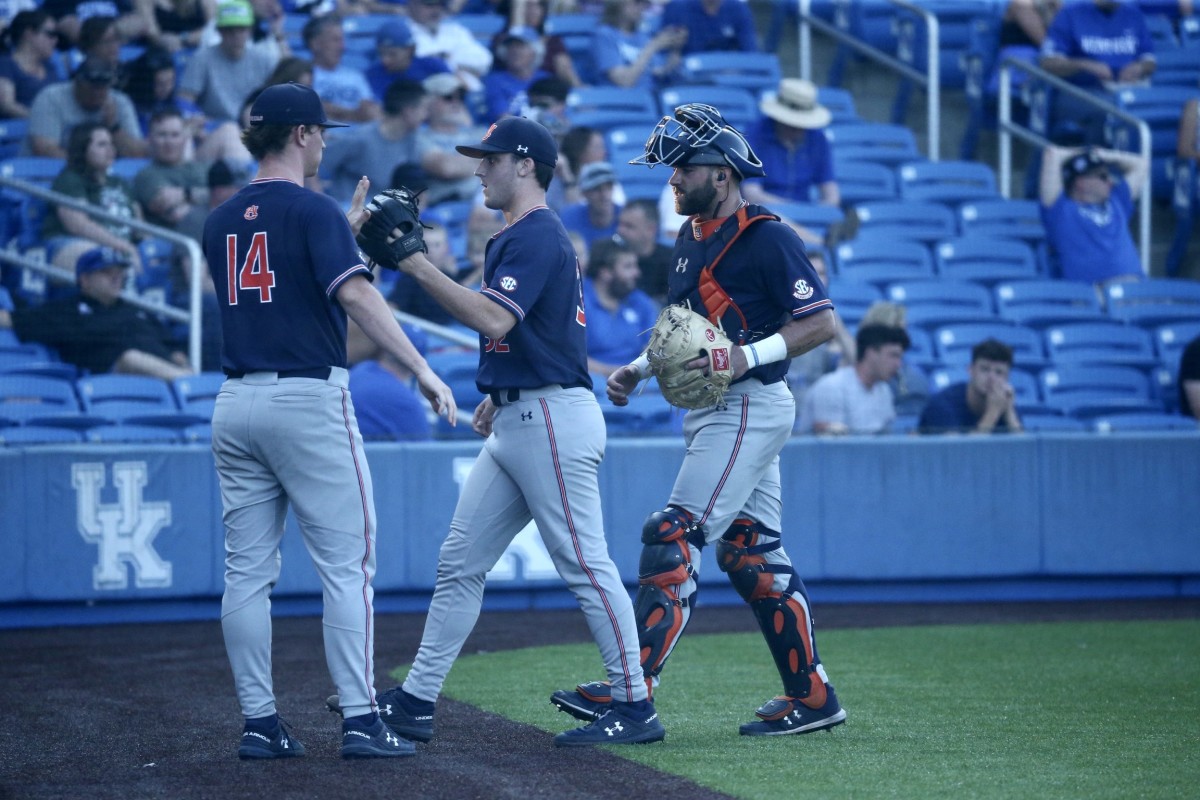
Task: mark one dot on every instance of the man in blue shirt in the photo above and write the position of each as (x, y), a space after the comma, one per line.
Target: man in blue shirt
(396, 58)
(595, 218)
(712, 25)
(984, 403)
(619, 315)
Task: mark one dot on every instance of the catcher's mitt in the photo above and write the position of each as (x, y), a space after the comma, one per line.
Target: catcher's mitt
(680, 335)
(394, 213)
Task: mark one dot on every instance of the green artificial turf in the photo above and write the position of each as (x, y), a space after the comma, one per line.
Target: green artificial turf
(1054, 710)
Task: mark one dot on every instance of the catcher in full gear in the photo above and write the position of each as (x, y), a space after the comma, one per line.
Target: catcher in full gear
(745, 274)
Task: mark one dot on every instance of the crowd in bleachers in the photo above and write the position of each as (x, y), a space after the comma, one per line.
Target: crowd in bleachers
(136, 107)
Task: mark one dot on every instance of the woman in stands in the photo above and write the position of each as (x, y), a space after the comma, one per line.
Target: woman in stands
(532, 14)
(28, 64)
(67, 232)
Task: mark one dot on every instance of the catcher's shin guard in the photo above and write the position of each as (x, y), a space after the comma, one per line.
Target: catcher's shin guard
(782, 613)
(668, 584)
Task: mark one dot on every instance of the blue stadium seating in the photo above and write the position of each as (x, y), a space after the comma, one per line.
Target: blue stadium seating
(31, 434)
(882, 261)
(131, 434)
(906, 219)
(840, 103)
(1002, 218)
(576, 31)
(873, 141)
(864, 181)
(953, 343)
(813, 216)
(1041, 303)
(1100, 343)
(987, 261)
(1146, 421)
(1170, 341)
(604, 107)
(931, 304)
(946, 181)
(1090, 390)
(197, 394)
(758, 72)
(1154, 301)
(738, 105)
(1053, 423)
(852, 299)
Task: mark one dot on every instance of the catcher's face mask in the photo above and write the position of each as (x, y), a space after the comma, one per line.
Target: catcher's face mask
(698, 135)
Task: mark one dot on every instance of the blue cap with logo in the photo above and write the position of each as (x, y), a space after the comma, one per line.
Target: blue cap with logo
(517, 135)
(99, 258)
(290, 104)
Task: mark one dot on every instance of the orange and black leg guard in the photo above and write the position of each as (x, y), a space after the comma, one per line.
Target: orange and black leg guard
(780, 603)
(668, 585)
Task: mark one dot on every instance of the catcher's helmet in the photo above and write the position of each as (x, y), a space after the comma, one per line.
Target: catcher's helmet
(698, 135)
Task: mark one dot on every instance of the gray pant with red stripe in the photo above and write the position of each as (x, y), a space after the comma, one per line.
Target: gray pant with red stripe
(541, 463)
(295, 440)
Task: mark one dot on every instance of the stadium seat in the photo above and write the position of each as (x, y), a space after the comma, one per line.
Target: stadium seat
(930, 304)
(1153, 291)
(52, 401)
(26, 435)
(97, 390)
(864, 181)
(816, 217)
(1160, 107)
(738, 105)
(1090, 390)
(840, 103)
(197, 394)
(1053, 423)
(604, 107)
(12, 133)
(41, 170)
(1100, 343)
(905, 219)
(852, 299)
(953, 343)
(1146, 421)
(482, 26)
(946, 181)
(131, 434)
(921, 352)
(1002, 219)
(758, 72)
(626, 142)
(877, 142)
(986, 261)
(1170, 341)
(1042, 303)
(882, 262)
(451, 215)
(200, 433)
(1179, 66)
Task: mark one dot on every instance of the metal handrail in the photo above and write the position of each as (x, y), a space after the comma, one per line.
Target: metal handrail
(931, 79)
(1007, 129)
(192, 316)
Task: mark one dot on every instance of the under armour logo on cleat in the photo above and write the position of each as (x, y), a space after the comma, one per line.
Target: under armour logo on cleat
(615, 729)
(386, 711)
(392, 739)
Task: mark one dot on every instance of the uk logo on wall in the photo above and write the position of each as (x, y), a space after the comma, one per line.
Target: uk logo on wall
(124, 531)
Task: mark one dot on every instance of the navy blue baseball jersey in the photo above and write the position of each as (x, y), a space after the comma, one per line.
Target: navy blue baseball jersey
(258, 245)
(752, 289)
(530, 268)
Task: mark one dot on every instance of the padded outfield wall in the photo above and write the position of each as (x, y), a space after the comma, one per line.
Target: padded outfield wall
(104, 533)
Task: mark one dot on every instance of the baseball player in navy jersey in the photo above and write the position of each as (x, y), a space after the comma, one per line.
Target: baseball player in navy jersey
(545, 440)
(745, 270)
(287, 273)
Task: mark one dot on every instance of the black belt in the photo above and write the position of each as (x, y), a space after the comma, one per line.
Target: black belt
(503, 397)
(319, 373)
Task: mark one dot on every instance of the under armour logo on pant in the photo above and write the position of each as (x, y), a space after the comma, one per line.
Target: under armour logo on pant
(526, 415)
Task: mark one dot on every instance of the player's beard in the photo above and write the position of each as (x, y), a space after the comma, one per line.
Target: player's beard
(696, 201)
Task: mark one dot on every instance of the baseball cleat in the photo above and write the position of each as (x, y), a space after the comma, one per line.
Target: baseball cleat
(588, 702)
(373, 741)
(785, 715)
(258, 744)
(408, 716)
(621, 723)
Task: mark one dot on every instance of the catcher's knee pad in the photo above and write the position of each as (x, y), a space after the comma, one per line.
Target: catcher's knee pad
(786, 625)
(668, 580)
(740, 555)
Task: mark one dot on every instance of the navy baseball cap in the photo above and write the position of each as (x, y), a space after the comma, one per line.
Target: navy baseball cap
(290, 104)
(517, 135)
(1082, 164)
(99, 258)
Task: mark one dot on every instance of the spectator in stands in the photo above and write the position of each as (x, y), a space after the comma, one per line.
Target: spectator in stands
(175, 25)
(171, 188)
(556, 60)
(67, 232)
(790, 141)
(28, 64)
(712, 25)
(385, 403)
(984, 403)
(596, 217)
(910, 386)
(344, 91)
(96, 330)
(219, 77)
(88, 97)
(223, 179)
(439, 36)
(71, 15)
(449, 174)
(518, 55)
(1095, 46)
(1189, 379)
(856, 399)
(1026, 22)
(100, 40)
(638, 227)
(408, 296)
(619, 315)
(376, 148)
(396, 58)
(1087, 198)
(267, 36)
(625, 55)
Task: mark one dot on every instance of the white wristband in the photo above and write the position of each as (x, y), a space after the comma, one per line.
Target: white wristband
(771, 349)
(642, 365)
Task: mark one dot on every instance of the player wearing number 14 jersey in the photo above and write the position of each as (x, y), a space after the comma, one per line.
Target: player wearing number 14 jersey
(287, 272)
